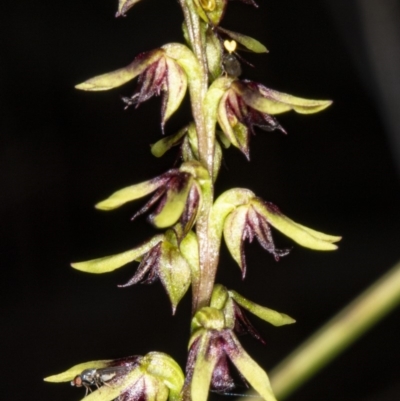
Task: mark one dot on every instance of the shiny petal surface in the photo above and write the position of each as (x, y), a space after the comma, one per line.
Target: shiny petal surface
(109, 263)
(176, 89)
(173, 207)
(251, 371)
(269, 315)
(272, 102)
(71, 373)
(234, 227)
(121, 76)
(163, 145)
(131, 193)
(203, 370)
(304, 236)
(174, 273)
(246, 41)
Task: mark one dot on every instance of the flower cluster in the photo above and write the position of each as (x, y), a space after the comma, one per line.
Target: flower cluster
(226, 110)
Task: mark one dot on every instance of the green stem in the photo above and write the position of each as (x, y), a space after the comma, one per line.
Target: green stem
(339, 333)
(202, 288)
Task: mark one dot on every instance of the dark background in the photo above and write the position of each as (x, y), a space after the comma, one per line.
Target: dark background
(62, 150)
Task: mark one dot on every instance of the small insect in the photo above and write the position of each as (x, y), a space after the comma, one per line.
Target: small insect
(98, 377)
(229, 61)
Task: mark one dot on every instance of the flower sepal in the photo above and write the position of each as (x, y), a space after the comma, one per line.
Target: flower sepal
(228, 301)
(124, 6)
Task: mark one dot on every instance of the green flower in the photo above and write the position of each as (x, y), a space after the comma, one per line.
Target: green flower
(158, 73)
(213, 342)
(244, 105)
(161, 258)
(153, 377)
(178, 193)
(240, 216)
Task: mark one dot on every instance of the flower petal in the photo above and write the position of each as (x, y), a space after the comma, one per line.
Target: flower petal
(224, 205)
(227, 120)
(119, 77)
(203, 370)
(185, 58)
(272, 102)
(71, 373)
(189, 248)
(173, 207)
(304, 236)
(246, 41)
(174, 273)
(163, 367)
(269, 315)
(251, 371)
(214, 54)
(109, 263)
(234, 228)
(176, 89)
(132, 192)
(124, 6)
(163, 145)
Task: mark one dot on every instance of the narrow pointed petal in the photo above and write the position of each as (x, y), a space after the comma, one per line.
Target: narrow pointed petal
(173, 207)
(217, 160)
(304, 236)
(189, 248)
(213, 97)
(119, 77)
(110, 263)
(319, 235)
(272, 102)
(174, 273)
(227, 121)
(203, 370)
(187, 60)
(163, 145)
(269, 315)
(246, 41)
(176, 89)
(214, 54)
(71, 373)
(131, 193)
(251, 371)
(124, 6)
(234, 227)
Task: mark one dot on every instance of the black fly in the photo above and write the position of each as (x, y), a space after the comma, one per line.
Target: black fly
(98, 377)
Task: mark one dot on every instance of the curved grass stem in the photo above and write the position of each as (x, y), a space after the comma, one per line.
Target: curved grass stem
(338, 334)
